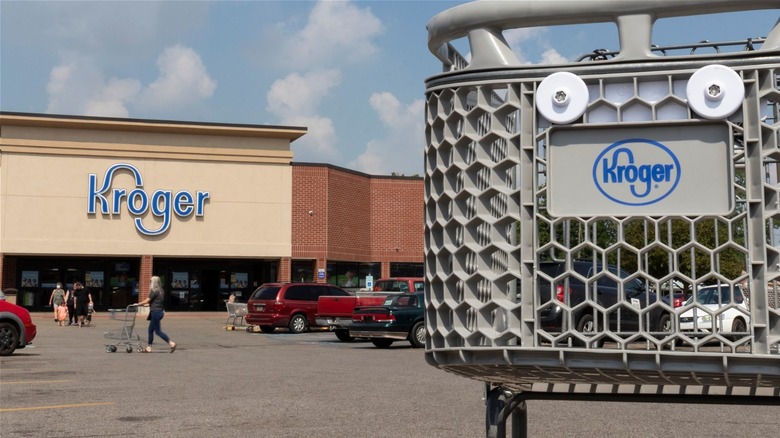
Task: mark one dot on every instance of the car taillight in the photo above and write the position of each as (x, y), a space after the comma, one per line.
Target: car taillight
(385, 318)
(373, 317)
(560, 293)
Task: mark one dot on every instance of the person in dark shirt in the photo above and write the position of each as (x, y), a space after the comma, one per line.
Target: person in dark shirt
(81, 301)
(156, 301)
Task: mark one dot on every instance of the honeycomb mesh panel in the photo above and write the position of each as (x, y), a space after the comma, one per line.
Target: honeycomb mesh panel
(490, 237)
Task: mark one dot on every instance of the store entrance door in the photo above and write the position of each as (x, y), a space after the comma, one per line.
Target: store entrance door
(210, 286)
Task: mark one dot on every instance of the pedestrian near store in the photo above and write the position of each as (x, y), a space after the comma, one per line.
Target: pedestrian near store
(70, 300)
(156, 303)
(82, 301)
(58, 297)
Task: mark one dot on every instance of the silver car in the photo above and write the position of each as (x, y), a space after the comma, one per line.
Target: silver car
(714, 311)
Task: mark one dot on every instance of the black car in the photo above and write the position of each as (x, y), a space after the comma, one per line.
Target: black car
(603, 289)
(401, 318)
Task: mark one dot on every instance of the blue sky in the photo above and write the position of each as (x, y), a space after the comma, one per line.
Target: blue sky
(352, 72)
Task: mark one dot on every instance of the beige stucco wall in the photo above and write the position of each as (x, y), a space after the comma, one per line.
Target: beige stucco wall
(44, 185)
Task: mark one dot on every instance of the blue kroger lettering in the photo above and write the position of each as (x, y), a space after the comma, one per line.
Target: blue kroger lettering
(616, 171)
(163, 203)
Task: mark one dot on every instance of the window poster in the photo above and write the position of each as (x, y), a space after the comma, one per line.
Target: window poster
(93, 279)
(238, 280)
(29, 278)
(180, 280)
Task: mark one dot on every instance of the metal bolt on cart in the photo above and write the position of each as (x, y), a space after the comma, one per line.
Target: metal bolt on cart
(607, 229)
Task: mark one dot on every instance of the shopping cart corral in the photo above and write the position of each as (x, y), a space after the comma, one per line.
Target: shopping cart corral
(566, 204)
(124, 335)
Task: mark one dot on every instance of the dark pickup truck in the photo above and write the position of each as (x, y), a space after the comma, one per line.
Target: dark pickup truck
(336, 312)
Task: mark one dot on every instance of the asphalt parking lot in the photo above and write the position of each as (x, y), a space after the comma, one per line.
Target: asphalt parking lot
(234, 383)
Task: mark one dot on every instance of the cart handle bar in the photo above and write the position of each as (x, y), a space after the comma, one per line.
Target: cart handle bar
(483, 22)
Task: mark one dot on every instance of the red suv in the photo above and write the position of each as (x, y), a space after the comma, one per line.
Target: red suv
(291, 305)
(16, 327)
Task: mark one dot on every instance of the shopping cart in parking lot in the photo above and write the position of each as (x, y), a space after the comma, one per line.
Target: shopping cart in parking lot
(125, 335)
(564, 204)
(236, 314)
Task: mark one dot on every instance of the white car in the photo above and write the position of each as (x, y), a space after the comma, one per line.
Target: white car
(734, 320)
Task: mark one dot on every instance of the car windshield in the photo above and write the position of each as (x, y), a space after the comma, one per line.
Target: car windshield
(391, 286)
(715, 295)
(266, 293)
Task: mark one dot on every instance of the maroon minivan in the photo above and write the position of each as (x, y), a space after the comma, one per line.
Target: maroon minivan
(291, 305)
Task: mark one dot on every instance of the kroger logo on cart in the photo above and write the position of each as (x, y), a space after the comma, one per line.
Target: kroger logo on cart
(636, 172)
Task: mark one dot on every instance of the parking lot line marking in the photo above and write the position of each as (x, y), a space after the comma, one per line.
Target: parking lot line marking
(38, 408)
(30, 382)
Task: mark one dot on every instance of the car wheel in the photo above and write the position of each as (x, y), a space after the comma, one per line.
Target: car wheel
(382, 343)
(417, 335)
(344, 336)
(587, 326)
(297, 324)
(9, 338)
(267, 328)
(665, 324)
(738, 326)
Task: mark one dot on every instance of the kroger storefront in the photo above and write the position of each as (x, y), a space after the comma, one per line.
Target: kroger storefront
(111, 202)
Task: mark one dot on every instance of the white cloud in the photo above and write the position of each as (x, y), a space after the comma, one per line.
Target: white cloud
(295, 101)
(551, 56)
(336, 32)
(402, 149)
(78, 86)
(522, 39)
(110, 101)
(519, 38)
(183, 81)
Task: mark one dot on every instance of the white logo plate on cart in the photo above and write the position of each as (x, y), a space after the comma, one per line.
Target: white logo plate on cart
(641, 170)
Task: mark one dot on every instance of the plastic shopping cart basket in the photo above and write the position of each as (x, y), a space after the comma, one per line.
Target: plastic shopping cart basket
(609, 228)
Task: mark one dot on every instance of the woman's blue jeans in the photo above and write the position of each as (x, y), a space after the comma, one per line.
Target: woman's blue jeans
(154, 326)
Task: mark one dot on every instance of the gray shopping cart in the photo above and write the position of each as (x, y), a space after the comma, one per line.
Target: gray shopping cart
(124, 335)
(568, 205)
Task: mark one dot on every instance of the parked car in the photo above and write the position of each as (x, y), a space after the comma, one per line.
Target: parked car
(399, 284)
(675, 299)
(16, 327)
(400, 318)
(571, 291)
(697, 321)
(291, 305)
(336, 312)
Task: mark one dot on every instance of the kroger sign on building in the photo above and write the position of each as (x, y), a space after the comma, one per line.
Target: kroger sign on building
(137, 202)
(674, 169)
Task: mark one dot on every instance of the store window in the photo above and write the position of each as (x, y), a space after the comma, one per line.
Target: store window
(110, 281)
(406, 270)
(352, 275)
(302, 271)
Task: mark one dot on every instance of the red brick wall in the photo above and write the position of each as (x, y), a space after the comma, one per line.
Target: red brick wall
(349, 216)
(7, 272)
(343, 215)
(144, 277)
(309, 211)
(285, 270)
(397, 222)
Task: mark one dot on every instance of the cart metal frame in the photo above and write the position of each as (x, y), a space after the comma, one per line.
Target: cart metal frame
(126, 334)
(489, 220)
